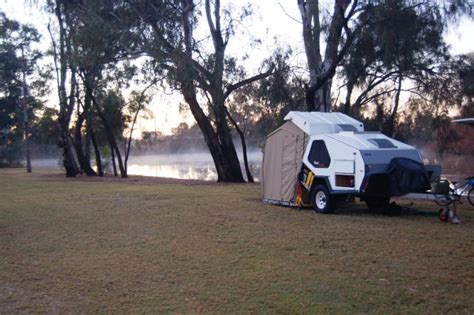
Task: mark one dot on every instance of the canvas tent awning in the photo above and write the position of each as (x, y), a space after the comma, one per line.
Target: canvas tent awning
(282, 159)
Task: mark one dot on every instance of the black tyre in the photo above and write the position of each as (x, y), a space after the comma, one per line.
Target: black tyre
(377, 203)
(470, 196)
(322, 202)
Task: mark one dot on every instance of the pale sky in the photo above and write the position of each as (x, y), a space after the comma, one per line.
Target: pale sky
(272, 19)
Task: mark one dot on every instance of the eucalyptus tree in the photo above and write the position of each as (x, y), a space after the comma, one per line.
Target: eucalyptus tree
(402, 50)
(96, 48)
(112, 108)
(96, 59)
(203, 76)
(430, 114)
(66, 54)
(353, 21)
(136, 105)
(405, 43)
(18, 62)
(66, 79)
(342, 28)
(280, 93)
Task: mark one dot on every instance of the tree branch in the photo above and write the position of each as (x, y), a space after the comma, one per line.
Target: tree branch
(286, 13)
(340, 56)
(135, 117)
(242, 83)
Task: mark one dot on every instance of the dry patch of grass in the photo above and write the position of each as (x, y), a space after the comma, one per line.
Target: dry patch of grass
(87, 246)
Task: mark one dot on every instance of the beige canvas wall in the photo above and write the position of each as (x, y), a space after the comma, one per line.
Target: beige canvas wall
(282, 158)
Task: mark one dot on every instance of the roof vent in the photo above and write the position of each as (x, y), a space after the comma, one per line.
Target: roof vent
(347, 127)
(383, 143)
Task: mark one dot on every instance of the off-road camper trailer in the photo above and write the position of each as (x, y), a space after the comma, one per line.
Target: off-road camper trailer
(317, 156)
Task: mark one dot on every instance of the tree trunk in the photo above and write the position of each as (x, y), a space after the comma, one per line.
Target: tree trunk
(111, 138)
(225, 171)
(128, 142)
(318, 91)
(83, 162)
(88, 145)
(227, 144)
(98, 159)
(108, 129)
(68, 157)
(389, 125)
(244, 148)
(26, 121)
(66, 105)
(217, 93)
(112, 157)
(219, 142)
(320, 98)
(347, 104)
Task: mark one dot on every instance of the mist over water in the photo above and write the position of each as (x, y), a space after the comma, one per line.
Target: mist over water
(47, 163)
(186, 165)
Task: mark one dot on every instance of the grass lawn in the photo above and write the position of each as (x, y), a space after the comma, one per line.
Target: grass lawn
(151, 246)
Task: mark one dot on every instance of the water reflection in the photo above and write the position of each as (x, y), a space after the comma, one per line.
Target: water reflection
(46, 163)
(189, 165)
(174, 171)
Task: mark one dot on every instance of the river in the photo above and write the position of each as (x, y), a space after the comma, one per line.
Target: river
(188, 165)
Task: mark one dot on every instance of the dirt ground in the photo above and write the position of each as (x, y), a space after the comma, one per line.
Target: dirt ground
(147, 245)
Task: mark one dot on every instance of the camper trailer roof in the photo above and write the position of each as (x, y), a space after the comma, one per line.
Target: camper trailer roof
(314, 123)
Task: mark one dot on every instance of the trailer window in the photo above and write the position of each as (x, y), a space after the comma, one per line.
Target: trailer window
(319, 155)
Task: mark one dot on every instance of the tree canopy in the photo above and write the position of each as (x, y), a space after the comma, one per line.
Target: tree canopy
(18, 62)
(366, 58)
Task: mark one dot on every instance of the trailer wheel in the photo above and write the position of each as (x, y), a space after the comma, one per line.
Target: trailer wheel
(322, 200)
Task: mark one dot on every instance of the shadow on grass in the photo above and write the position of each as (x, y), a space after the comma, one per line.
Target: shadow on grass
(395, 209)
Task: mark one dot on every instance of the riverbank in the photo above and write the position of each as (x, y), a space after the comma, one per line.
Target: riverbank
(162, 245)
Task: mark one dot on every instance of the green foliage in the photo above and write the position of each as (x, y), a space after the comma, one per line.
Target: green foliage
(113, 106)
(403, 50)
(17, 62)
(466, 75)
(261, 106)
(45, 128)
(402, 39)
(116, 44)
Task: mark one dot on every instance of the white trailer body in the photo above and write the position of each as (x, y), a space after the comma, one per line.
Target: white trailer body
(355, 154)
(341, 158)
